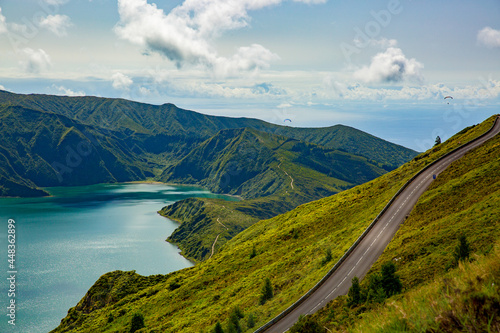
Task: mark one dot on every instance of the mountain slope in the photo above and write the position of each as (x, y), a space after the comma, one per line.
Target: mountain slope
(147, 139)
(205, 225)
(291, 250)
(251, 164)
(45, 149)
(274, 174)
(168, 121)
(461, 201)
(383, 153)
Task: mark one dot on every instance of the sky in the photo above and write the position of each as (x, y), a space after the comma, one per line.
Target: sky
(380, 66)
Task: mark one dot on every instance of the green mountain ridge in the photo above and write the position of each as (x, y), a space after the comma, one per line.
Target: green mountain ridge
(272, 173)
(250, 163)
(46, 149)
(162, 122)
(295, 249)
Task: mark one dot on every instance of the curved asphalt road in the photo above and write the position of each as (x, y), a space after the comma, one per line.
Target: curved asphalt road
(373, 244)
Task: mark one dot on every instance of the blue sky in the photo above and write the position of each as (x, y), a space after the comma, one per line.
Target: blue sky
(380, 66)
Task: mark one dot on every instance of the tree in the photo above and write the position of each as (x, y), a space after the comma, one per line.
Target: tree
(462, 250)
(328, 257)
(251, 321)
(234, 321)
(438, 141)
(137, 322)
(253, 253)
(390, 281)
(234, 324)
(354, 294)
(376, 295)
(306, 324)
(218, 328)
(267, 291)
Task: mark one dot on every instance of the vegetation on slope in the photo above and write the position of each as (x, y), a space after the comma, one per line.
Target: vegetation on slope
(45, 149)
(351, 140)
(459, 203)
(253, 164)
(466, 299)
(274, 173)
(162, 124)
(139, 136)
(290, 249)
(206, 225)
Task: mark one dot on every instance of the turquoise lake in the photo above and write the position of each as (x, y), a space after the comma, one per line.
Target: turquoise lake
(65, 242)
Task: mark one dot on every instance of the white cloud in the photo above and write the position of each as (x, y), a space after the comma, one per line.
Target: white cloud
(2, 87)
(486, 89)
(145, 91)
(186, 34)
(68, 92)
(489, 37)
(34, 61)
(56, 24)
(390, 66)
(284, 105)
(121, 81)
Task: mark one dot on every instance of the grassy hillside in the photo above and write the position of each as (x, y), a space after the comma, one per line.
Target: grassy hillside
(466, 299)
(291, 250)
(253, 164)
(351, 140)
(45, 149)
(205, 225)
(460, 202)
(273, 173)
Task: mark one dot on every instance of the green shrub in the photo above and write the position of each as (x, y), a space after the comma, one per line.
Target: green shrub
(390, 281)
(328, 257)
(218, 328)
(354, 295)
(174, 285)
(251, 321)
(267, 292)
(462, 250)
(137, 322)
(306, 324)
(253, 253)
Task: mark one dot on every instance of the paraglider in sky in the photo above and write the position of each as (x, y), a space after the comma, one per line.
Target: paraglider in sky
(448, 97)
(287, 120)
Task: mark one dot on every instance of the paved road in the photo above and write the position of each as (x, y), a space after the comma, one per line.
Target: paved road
(373, 244)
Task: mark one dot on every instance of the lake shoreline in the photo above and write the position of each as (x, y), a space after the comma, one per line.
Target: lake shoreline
(81, 232)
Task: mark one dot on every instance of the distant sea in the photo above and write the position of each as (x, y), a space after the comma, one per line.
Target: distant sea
(65, 242)
(417, 126)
